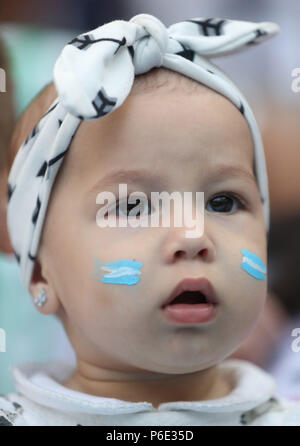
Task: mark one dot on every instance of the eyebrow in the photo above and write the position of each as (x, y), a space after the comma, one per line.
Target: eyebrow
(133, 176)
(224, 170)
(144, 176)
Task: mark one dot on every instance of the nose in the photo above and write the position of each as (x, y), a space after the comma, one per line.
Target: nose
(178, 246)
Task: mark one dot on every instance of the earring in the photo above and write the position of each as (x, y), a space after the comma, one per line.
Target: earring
(41, 299)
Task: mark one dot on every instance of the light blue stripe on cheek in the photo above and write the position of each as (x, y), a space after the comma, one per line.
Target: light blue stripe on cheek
(124, 271)
(255, 259)
(253, 265)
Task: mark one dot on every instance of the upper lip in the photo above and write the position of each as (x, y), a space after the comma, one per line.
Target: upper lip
(199, 284)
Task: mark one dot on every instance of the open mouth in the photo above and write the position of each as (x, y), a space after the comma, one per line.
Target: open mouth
(190, 298)
(192, 301)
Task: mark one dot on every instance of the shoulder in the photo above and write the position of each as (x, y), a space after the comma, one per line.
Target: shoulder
(11, 411)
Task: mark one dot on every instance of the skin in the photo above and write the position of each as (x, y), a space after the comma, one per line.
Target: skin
(124, 346)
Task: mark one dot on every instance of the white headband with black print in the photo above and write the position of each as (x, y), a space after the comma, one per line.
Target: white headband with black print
(93, 75)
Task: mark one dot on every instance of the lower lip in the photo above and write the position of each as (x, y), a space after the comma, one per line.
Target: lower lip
(190, 314)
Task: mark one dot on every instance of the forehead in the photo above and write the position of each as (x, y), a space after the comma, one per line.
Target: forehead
(169, 126)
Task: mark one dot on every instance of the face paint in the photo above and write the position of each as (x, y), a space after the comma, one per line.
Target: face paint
(253, 265)
(124, 271)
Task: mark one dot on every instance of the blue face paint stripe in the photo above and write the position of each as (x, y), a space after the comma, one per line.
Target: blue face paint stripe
(253, 265)
(124, 271)
(252, 271)
(255, 259)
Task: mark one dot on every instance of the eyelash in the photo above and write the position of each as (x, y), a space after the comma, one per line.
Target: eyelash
(118, 201)
(242, 203)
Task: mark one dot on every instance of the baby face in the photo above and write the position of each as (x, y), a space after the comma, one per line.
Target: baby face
(155, 142)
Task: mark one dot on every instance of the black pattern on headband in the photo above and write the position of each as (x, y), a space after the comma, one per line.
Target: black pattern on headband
(103, 104)
(186, 53)
(121, 43)
(258, 33)
(45, 164)
(86, 41)
(57, 157)
(42, 170)
(242, 109)
(10, 191)
(36, 211)
(210, 26)
(32, 134)
(50, 110)
(31, 257)
(131, 51)
(17, 256)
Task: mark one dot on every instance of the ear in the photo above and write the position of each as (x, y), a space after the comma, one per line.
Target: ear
(38, 283)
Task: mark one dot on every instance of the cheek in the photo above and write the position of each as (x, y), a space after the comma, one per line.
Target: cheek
(123, 271)
(253, 265)
(245, 279)
(106, 271)
(244, 296)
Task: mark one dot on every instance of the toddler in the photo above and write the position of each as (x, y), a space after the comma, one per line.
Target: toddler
(152, 311)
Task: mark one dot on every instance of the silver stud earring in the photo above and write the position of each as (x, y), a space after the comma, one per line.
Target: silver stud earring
(41, 299)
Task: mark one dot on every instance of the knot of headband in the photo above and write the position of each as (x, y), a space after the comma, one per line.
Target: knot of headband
(93, 75)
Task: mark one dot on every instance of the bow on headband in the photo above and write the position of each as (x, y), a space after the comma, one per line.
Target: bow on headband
(93, 76)
(106, 59)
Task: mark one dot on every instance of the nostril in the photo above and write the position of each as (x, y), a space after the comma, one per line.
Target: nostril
(179, 254)
(203, 252)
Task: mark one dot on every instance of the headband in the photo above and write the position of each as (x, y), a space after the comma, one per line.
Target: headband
(93, 75)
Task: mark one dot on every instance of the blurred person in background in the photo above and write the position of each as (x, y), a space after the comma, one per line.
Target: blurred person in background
(63, 14)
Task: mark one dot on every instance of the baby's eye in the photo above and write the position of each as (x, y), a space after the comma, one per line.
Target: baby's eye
(225, 203)
(140, 208)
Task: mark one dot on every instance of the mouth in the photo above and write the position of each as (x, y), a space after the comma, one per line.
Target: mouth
(191, 301)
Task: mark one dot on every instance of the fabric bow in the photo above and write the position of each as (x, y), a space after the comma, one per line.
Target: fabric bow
(95, 72)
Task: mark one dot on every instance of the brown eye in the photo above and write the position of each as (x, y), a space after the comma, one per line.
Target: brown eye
(225, 203)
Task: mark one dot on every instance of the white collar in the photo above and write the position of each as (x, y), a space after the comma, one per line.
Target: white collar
(41, 383)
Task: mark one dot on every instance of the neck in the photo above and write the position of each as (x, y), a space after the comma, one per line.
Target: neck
(153, 387)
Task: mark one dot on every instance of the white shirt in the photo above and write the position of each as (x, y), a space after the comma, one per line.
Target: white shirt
(41, 400)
